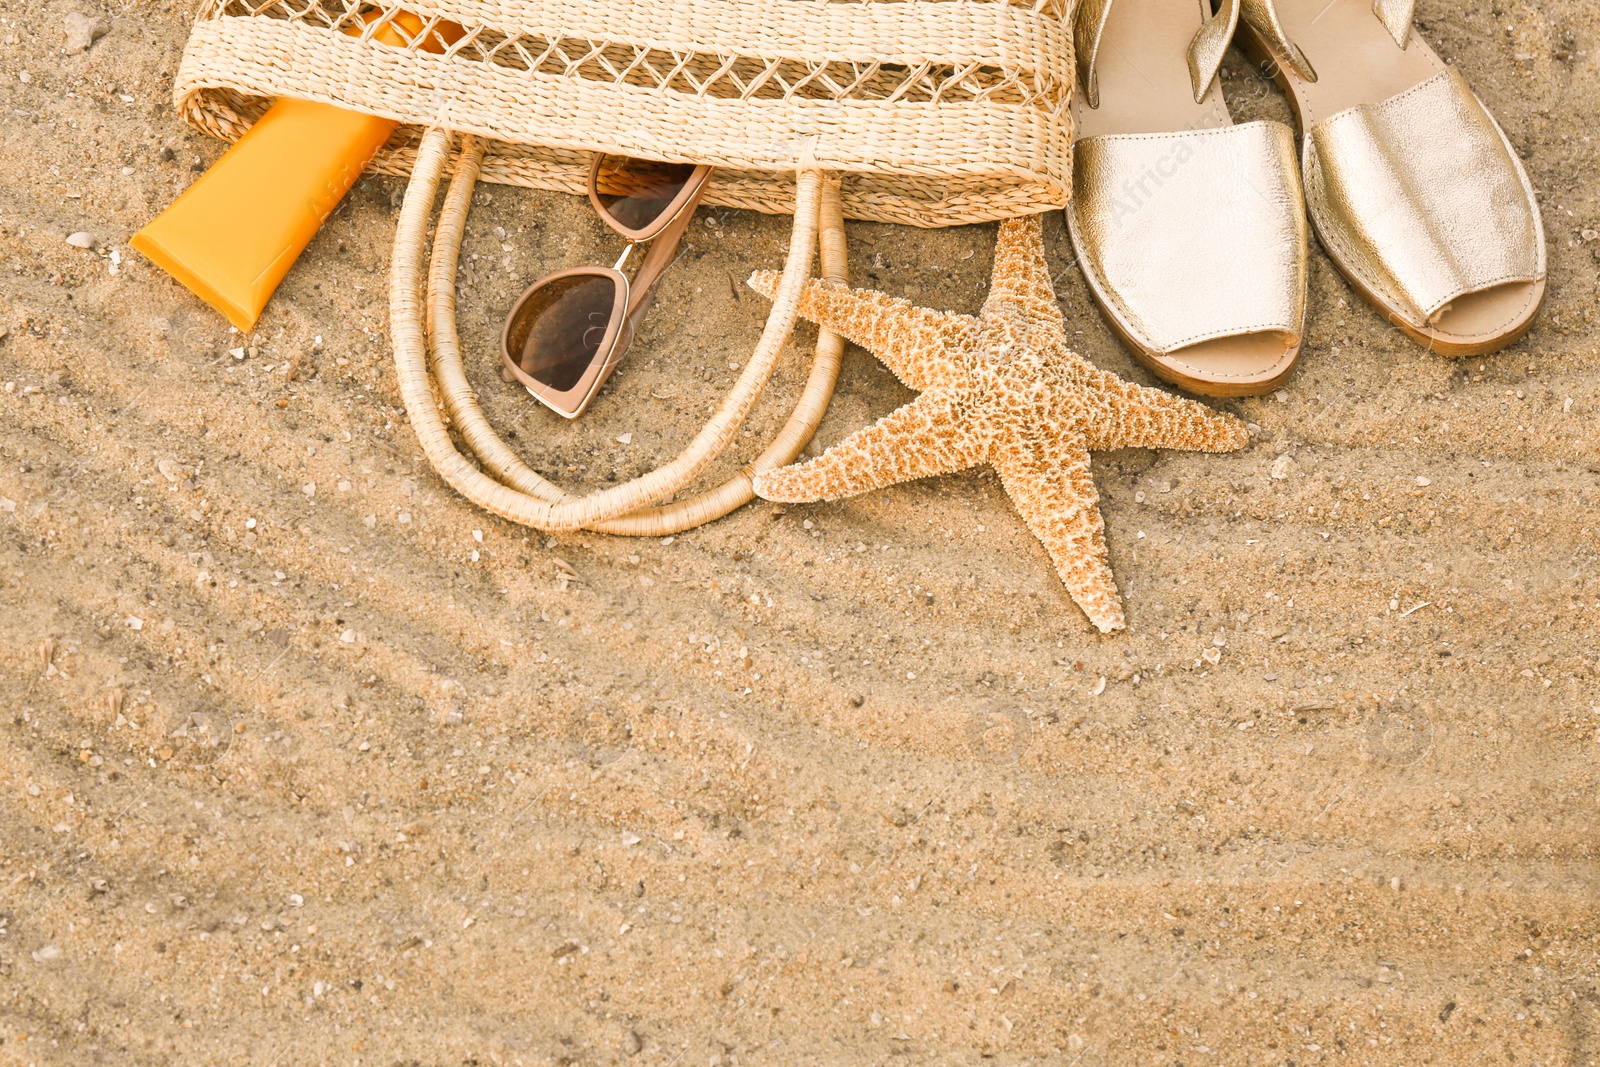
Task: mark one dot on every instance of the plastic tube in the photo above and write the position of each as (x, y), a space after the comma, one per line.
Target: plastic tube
(233, 235)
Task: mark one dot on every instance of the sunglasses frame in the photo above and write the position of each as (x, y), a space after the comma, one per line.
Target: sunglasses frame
(627, 308)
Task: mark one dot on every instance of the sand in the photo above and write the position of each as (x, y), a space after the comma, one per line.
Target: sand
(304, 760)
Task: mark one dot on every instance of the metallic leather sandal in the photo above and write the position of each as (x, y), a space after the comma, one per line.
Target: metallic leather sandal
(1416, 194)
(1191, 231)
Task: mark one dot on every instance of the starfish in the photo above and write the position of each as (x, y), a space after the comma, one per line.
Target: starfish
(1002, 389)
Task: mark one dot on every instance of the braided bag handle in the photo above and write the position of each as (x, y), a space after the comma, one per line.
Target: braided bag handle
(510, 488)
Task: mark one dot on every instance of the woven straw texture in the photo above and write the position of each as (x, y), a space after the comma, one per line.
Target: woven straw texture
(933, 112)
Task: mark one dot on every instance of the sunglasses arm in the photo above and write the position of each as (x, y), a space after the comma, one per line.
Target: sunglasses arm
(663, 250)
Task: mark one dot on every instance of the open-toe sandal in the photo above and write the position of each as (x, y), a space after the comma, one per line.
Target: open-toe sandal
(1190, 230)
(1415, 192)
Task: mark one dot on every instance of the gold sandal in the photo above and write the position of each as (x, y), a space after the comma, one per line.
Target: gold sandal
(1416, 194)
(1190, 230)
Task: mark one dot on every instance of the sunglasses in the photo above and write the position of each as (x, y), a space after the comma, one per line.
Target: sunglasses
(569, 330)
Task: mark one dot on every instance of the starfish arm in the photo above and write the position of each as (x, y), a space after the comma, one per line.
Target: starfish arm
(1022, 278)
(920, 346)
(922, 438)
(1124, 415)
(1050, 486)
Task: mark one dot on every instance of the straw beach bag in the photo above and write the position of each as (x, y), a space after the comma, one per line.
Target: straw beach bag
(926, 112)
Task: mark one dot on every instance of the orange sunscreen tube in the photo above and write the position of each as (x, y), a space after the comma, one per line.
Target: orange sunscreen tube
(234, 233)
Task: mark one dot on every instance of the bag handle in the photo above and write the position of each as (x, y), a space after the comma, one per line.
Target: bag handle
(520, 494)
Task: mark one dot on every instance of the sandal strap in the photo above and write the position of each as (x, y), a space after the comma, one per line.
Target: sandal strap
(1262, 16)
(1193, 236)
(1209, 45)
(1396, 16)
(1087, 29)
(1422, 198)
(1206, 50)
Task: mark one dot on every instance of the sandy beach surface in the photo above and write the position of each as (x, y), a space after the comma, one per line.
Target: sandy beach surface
(305, 760)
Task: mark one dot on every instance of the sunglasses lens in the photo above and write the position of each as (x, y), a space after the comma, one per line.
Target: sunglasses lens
(635, 192)
(562, 327)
